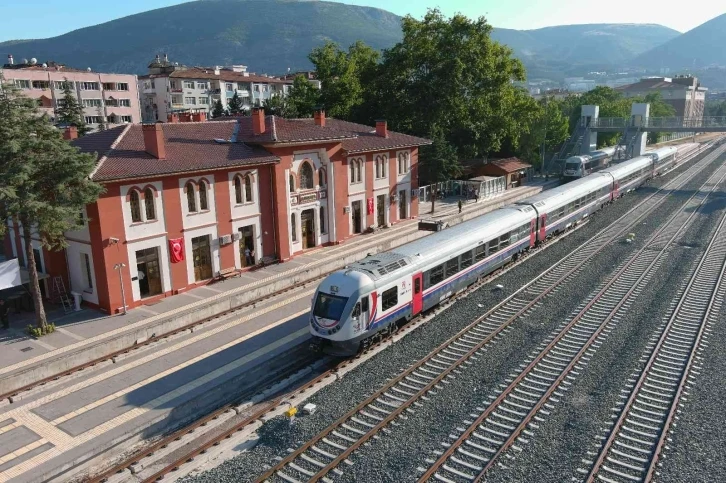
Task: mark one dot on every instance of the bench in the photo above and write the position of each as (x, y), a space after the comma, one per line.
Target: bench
(227, 273)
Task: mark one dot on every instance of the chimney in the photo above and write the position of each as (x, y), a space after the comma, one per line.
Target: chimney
(320, 116)
(382, 128)
(10, 59)
(258, 121)
(70, 133)
(154, 140)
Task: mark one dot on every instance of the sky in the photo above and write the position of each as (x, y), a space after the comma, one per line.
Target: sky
(19, 19)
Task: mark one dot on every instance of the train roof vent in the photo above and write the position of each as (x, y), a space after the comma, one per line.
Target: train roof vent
(539, 204)
(392, 267)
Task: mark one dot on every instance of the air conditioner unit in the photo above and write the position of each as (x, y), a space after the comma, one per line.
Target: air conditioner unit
(225, 240)
(236, 236)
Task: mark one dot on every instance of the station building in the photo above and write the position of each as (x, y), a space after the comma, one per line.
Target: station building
(184, 201)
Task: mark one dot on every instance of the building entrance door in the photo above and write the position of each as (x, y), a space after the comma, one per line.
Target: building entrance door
(247, 245)
(202, 257)
(381, 210)
(357, 219)
(307, 226)
(147, 267)
(402, 212)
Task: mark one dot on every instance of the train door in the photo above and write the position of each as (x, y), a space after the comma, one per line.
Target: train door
(543, 227)
(616, 190)
(533, 233)
(417, 294)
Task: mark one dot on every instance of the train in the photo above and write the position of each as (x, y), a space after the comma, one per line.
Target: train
(368, 299)
(581, 166)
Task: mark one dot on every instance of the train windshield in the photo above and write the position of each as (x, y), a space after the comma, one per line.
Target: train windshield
(572, 166)
(329, 306)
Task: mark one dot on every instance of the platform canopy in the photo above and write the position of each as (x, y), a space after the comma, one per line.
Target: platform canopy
(10, 274)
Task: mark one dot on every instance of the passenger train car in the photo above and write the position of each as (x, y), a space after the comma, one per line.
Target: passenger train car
(581, 166)
(353, 306)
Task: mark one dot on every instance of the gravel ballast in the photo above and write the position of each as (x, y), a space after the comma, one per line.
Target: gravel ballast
(398, 454)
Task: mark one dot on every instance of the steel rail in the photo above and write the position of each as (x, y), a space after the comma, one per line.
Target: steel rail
(651, 464)
(404, 404)
(614, 279)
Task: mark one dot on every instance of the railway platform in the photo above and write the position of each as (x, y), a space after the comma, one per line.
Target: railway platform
(50, 424)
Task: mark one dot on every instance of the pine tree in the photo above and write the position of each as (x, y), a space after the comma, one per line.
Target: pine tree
(218, 110)
(45, 181)
(70, 112)
(234, 106)
(102, 126)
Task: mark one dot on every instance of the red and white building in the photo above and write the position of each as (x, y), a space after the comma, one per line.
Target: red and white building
(183, 201)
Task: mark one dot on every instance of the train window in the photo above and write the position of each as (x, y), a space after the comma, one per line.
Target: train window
(356, 311)
(504, 241)
(524, 231)
(436, 275)
(452, 267)
(480, 253)
(389, 298)
(466, 260)
(417, 286)
(493, 246)
(364, 303)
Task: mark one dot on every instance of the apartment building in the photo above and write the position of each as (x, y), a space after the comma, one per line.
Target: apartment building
(684, 93)
(171, 88)
(109, 98)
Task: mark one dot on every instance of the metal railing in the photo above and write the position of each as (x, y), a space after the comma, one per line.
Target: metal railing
(469, 189)
(660, 122)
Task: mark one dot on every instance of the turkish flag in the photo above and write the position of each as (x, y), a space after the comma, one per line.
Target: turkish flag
(370, 206)
(176, 250)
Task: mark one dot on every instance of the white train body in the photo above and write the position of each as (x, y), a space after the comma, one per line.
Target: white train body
(370, 296)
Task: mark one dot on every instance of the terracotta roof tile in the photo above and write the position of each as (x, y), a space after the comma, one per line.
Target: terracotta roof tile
(189, 147)
(510, 165)
(225, 75)
(368, 140)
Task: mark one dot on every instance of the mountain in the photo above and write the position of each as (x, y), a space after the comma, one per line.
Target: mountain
(271, 35)
(267, 35)
(591, 44)
(697, 48)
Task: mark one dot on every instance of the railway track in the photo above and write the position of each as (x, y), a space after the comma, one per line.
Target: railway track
(518, 406)
(320, 456)
(641, 210)
(634, 444)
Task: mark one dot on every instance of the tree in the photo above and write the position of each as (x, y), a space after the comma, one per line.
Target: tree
(450, 74)
(46, 181)
(611, 104)
(70, 112)
(218, 109)
(102, 126)
(658, 108)
(344, 77)
(234, 106)
(547, 129)
(276, 105)
(438, 162)
(302, 98)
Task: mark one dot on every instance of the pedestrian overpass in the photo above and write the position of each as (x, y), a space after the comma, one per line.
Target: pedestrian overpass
(633, 132)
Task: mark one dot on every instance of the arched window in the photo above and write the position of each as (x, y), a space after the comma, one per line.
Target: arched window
(322, 220)
(292, 184)
(237, 190)
(378, 168)
(352, 171)
(381, 161)
(321, 177)
(293, 227)
(306, 176)
(149, 204)
(203, 204)
(135, 207)
(248, 188)
(359, 170)
(191, 198)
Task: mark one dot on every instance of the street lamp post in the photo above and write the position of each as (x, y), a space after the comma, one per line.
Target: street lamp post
(118, 267)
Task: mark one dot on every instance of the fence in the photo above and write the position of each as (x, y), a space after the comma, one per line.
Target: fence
(466, 189)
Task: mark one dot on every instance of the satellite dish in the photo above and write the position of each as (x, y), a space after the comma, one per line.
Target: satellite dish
(88, 69)
(33, 61)
(45, 66)
(25, 61)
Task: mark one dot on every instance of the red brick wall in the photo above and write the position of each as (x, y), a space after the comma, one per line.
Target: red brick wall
(224, 218)
(370, 171)
(392, 186)
(174, 227)
(414, 182)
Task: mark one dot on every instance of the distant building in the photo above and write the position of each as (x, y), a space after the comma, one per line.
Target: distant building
(579, 84)
(684, 93)
(514, 170)
(558, 94)
(171, 88)
(112, 98)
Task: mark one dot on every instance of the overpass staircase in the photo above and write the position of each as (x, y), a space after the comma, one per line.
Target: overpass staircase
(626, 143)
(571, 147)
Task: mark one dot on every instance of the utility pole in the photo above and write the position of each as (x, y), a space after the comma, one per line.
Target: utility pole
(544, 141)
